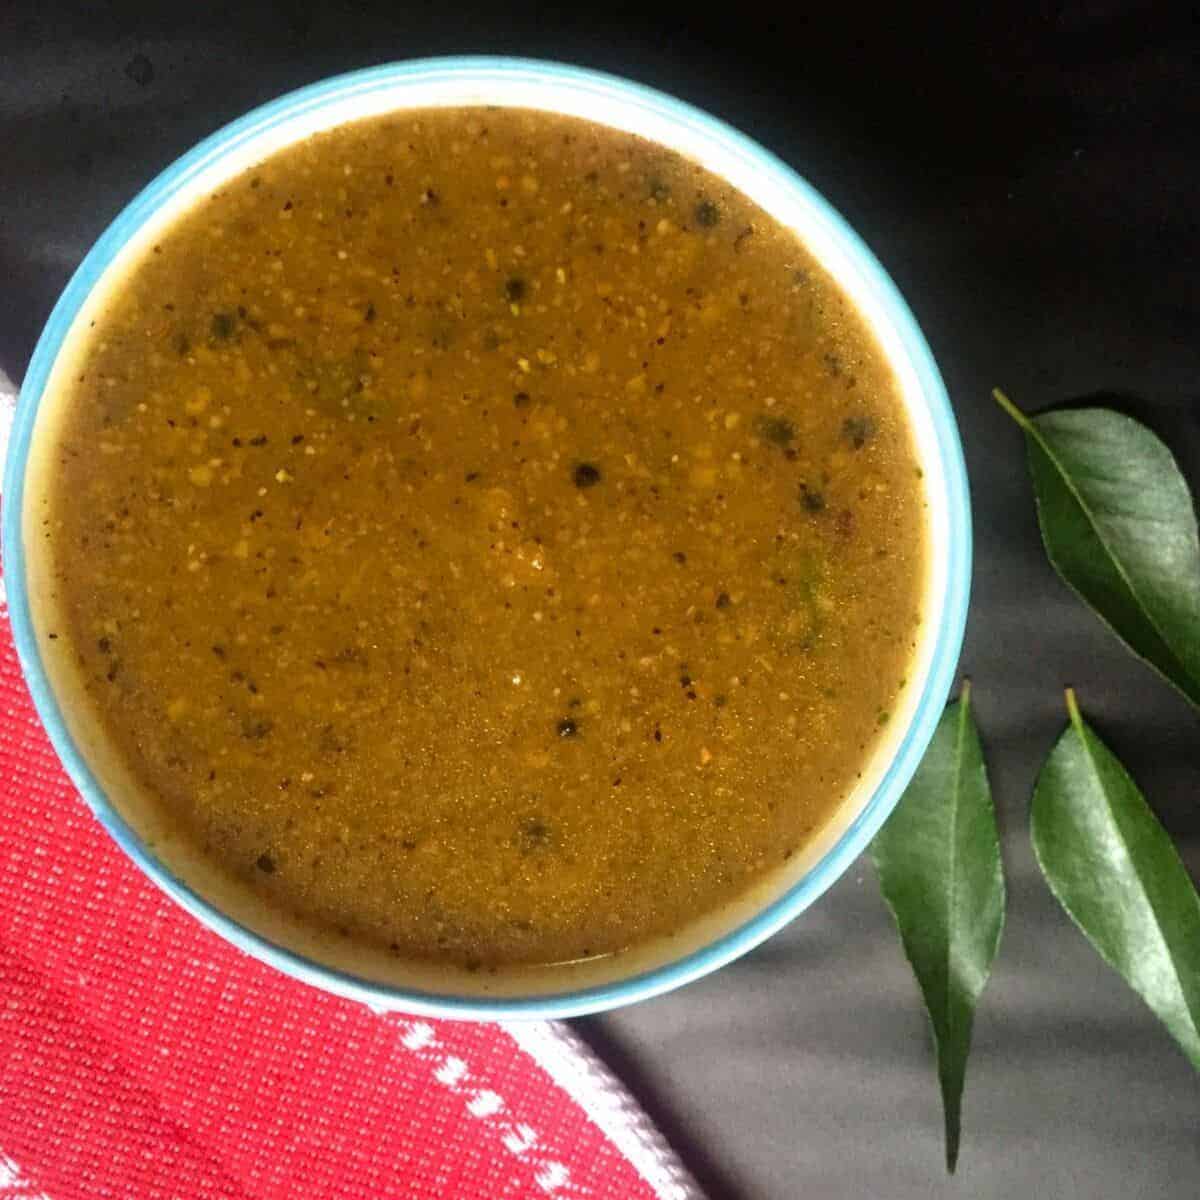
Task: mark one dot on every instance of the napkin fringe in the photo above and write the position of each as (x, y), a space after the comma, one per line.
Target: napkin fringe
(570, 1062)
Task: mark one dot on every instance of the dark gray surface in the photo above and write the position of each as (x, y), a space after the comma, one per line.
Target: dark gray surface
(1030, 180)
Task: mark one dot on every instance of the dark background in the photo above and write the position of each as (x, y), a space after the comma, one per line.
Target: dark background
(1029, 175)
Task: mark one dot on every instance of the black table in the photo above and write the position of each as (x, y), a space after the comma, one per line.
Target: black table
(1030, 179)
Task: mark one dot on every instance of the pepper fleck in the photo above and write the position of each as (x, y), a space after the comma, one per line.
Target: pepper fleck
(813, 502)
(256, 730)
(858, 431)
(586, 475)
(222, 325)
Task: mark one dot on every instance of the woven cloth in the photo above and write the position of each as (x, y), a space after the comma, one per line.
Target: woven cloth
(143, 1057)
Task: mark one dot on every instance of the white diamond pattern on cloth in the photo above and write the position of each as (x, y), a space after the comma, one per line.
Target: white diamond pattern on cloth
(14, 1185)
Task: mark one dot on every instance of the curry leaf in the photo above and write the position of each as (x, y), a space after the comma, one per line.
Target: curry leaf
(1118, 524)
(1113, 868)
(939, 867)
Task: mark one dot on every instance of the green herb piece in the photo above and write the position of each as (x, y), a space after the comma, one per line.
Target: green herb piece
(533, 833)
(222, 326)
(779, 431)
(858, 431)
(940, 871)
(1113, 867)
(657, 190)
(1119, 527)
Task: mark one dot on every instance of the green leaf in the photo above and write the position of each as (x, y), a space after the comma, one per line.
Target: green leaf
(939, 867)
(1118, 524)
(1113, 868)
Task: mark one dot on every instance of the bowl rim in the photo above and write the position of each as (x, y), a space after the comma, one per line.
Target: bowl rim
(766, 920)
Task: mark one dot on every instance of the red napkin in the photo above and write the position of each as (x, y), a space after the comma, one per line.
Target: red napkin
(143, 1057)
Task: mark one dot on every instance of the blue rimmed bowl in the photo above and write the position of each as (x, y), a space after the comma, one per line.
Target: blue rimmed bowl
(782, 194)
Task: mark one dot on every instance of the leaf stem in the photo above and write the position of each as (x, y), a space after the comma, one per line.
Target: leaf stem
(1073, 707)
(1012, 410)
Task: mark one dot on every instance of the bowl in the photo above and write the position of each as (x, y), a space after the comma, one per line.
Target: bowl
(782, 193)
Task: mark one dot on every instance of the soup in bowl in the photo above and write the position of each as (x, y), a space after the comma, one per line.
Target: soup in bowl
(486, 538)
